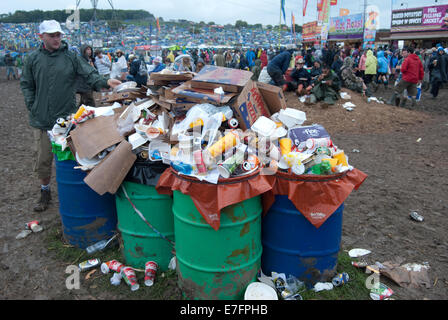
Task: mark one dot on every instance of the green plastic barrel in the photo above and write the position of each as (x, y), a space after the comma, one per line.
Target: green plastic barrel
(140, 243)
(217, 264)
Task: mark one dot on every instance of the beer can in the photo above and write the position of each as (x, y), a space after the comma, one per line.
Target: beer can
(130, 278)
(199, 161)
(340, 279)
(246, 166)
(34, 226)
(89, 264)
(229, 166)
(312, 143)
(232, 123)
(113, 265)
(150, 272)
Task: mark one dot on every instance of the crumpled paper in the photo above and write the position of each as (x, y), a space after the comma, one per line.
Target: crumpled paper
(410, 275)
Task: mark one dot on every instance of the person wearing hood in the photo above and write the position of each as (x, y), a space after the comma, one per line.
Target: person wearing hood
(411, 74)
(219, 59)
(256, 69)
(138, 70)
(200, 64)
(326, 88)
(48, 85)
(316, 71)
(437, 67)
(350, 80)
(84, 90)
(337, 64)
(383, 67)
(264, 59)
(362, 64)
(371, 68)
(278, 66)
(158, 65)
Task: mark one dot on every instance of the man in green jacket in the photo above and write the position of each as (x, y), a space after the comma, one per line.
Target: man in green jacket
(325, 88)
(48, 84)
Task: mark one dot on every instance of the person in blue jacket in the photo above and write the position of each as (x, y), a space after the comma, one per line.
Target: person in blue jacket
(393, 64)
(250, 57)
(383, 67)
(278, 66)
(158, 65)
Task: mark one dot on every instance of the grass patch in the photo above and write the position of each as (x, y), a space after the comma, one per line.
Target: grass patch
(355, 289)
(165, 287)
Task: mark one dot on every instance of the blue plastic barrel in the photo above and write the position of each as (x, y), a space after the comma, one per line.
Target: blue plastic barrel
(86, 216)
(292, 245)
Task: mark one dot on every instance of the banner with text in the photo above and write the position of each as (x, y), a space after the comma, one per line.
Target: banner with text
(434, 18)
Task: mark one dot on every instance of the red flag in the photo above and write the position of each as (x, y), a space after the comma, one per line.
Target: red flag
(334, 2)
(158, 25)
(319, 5)
(305, 3)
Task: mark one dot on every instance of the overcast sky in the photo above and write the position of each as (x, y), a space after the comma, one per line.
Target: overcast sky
(222, 11)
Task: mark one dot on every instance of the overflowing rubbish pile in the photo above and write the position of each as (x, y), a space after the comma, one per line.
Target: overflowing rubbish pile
(211, 125)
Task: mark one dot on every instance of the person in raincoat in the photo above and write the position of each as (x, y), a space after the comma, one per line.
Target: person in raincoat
(383, 67)
(349, 79)
(256, 69)
(84, 90)
(184, 62)
(371, 68)
(158, 65)
(326, 87)
(301, 82)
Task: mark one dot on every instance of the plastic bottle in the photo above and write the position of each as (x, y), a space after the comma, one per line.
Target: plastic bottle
(181, 167)
(99, 246)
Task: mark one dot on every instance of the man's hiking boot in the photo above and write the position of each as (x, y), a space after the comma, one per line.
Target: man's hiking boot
(44, 201)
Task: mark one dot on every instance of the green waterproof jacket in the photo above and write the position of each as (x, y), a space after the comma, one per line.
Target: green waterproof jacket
(371, 63)
(48, 84)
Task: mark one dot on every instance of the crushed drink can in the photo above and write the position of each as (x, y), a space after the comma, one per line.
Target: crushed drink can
(199, 161)
(89, 264)
(232, 123)
(150, 272)
(313, 143)
(414, 215)
(340, 279)
(34, 226)
(130, 278)
(113, 265)
(381, 293)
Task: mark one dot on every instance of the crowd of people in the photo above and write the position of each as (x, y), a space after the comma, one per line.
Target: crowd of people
(320, 74)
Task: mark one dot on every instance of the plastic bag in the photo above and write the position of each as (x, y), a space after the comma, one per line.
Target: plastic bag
(264, 76)
(115, 72)
(200, 112)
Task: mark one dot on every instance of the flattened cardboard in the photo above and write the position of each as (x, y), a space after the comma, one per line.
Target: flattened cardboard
(273, 96)
(122, 96)
(201, 95)
(249, 106)
(108, 175)
(231, 80)
(93, 136)
(157, 76)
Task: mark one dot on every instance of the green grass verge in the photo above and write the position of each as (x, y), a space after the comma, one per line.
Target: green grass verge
(165, 286)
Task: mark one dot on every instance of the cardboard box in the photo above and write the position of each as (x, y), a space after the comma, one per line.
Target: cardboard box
(231, 80)
(122, 96)
(201, 95)
(157, 76)
(273, 96)
(249, 106)
(93, 136)
(108, 175)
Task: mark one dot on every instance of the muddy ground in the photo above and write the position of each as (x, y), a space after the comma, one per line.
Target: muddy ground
(402, 150)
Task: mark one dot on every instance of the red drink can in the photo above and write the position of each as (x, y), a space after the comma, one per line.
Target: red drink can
(150, 272)
(130, 278)
(199, 161)
(113, 265)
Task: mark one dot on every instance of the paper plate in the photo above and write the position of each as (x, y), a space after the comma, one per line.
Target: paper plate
(126, 86)
(260, 291)
(86, 161)
(355, 253)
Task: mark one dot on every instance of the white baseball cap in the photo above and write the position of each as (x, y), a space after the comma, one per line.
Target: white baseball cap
(50, 26)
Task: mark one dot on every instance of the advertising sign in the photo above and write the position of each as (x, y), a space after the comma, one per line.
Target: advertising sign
(352, 24)
(434, 18)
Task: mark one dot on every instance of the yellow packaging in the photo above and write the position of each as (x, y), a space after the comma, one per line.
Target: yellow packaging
(79, 112)
(223, 144)
(285, 145)
(342, 159)
(333, 162)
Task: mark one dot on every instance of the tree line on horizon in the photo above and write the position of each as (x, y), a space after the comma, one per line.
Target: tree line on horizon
(118, 17)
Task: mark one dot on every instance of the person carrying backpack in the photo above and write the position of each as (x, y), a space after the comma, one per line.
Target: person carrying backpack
(138, 70)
